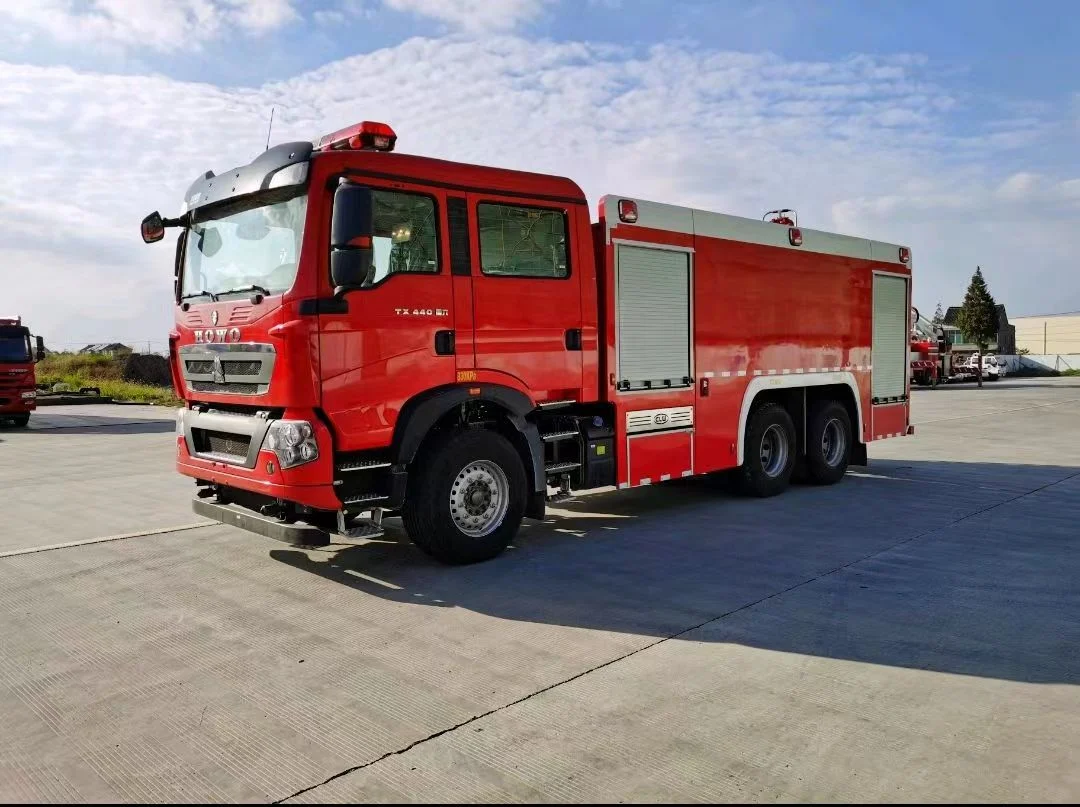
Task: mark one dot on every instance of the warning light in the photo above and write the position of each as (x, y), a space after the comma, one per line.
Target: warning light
(905, 254)
(628, 211)
(369, 135)
(794, 236)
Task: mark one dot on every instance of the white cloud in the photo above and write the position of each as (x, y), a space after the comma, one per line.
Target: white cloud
(164, 25)
(1018, 187)
(475, 15)
(87, 155)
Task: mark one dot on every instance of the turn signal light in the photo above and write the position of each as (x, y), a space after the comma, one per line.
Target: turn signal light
(794, 236)
(628, 211)
(905, 254)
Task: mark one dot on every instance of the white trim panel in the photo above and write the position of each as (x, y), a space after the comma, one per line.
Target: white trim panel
(673, 218)
(765, 383)
(665, 419)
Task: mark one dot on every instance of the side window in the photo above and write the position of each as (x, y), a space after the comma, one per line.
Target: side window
(522, 241)
(406, 235)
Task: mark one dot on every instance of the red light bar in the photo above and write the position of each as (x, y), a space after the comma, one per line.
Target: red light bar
(364, 135)
(16, 321)
(628, 211)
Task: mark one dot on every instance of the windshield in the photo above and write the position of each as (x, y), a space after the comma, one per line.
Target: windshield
(258, 246)
(14, 346)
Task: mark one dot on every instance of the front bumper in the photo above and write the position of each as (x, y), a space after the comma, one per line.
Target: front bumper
(12, 402)
(235, 515)
(247, 464)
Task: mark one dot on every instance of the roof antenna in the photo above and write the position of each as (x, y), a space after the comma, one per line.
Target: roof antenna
(269, 129)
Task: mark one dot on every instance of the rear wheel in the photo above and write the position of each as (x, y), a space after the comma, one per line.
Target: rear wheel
(828, 442)
(467, 497)
(769, 451)
(19, 421)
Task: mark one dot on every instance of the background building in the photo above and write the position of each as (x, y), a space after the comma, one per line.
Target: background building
(1047, 334)
(1004, 342)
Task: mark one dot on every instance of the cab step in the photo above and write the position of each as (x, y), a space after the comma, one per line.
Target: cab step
(551, 437)
(556, 404)
(362, 529)
(361, 465)
(358, 529)
(560, 467)
(364, 498)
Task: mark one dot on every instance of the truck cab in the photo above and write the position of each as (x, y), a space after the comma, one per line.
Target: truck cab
(18, 387)
(339, 307)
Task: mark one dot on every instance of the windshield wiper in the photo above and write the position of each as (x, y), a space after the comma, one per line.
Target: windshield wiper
(204, 293)
(265, 292)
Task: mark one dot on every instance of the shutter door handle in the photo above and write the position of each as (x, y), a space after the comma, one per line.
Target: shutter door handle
(573, 339)
(444, 343)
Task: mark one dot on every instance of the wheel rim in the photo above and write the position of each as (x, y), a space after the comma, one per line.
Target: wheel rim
(773, 451)
(479, 498)
(833, 443)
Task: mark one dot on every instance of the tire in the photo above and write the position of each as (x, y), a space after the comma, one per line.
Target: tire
(828, 442)
(768, 464)
(20, 421)
(456, 467)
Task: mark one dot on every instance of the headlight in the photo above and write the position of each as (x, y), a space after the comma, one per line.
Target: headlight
(29, 394)
(293, 441)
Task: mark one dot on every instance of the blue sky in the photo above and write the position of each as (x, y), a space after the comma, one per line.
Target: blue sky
(948, 126)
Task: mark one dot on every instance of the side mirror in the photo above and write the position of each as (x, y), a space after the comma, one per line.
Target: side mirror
(153, 228)
(350, 237)
(39, 348)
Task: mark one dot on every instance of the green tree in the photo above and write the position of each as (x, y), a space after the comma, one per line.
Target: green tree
(939, 314)
(978, 317)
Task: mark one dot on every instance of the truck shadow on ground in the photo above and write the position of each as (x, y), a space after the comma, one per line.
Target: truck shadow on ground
(96, 424)
(896, 566)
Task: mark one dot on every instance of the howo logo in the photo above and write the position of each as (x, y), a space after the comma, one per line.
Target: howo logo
(213, 336)
(660, 419)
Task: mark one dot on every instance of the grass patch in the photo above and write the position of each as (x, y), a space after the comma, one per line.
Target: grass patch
(105, 373)
(1070, 372)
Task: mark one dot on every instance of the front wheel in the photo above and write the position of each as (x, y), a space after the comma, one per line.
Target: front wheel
(20, 421)
(769, 451)
(828, 442)
(467, 498)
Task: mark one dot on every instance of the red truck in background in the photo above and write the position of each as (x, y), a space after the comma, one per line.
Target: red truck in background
(931, 354)
(18, 385)
(360, 331)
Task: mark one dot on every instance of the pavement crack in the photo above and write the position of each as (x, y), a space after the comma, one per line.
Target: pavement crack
(405, 749)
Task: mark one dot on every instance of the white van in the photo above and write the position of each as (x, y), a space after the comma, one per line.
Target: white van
(992, 370)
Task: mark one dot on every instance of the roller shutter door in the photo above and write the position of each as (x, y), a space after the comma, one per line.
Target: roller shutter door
(653, 322)
(890, 347)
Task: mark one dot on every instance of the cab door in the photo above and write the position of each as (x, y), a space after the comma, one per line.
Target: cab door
(395, 337)
(526, 296)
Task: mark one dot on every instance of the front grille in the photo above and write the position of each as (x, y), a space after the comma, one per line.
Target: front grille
(233, 445)
(235, 367)
(236, 389)
(200, 366)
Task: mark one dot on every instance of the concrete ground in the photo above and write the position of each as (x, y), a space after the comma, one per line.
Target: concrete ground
(910, 634)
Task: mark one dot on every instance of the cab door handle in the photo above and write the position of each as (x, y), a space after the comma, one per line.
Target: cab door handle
(444, 343)
(573, 339)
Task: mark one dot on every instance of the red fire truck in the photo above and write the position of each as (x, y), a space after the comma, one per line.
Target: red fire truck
(360, 331)
(18, 389)
(931, 354)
